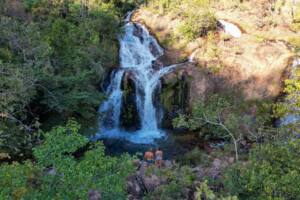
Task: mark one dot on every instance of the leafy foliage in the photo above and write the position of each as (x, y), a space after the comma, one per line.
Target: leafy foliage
(214, 110)
(272, 173)
(59, 175)
(291, 103)
(178, 178)
(204, 192)
(195, 16)
(52, 60)
(197, 24)
(225, 118)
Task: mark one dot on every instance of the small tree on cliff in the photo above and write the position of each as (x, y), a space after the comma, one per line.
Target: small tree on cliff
(223, 117)
(216, 116)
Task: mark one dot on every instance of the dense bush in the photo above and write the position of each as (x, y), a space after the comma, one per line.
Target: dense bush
(178, 179)
(195, 15)
(52, 60)
(197, 24)
(221, 117)
(57, 174)
(272, 173)
(194, 157)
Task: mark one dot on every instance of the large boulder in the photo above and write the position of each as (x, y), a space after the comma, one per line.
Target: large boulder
(134, 188)
(151, 182)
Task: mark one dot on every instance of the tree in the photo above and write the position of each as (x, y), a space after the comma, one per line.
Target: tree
(217, 115)
(51, 64)
(224, 117)
(58, 174)
(271, 173)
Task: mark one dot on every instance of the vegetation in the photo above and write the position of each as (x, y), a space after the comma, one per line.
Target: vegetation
(196, 17)
(203, 191)
(178, 179)
(220, 117)
(53, 55)
(58, 174)
(272, 173)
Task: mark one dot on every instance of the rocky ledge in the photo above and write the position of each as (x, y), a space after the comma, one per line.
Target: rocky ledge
(148, 179)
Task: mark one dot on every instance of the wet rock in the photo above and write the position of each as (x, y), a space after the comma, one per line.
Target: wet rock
(197, 169)
(137, 163)
(218, 166)
(151, 182)
(201, 173)
(157, 65)
(131, 197)
(217, 163)
(94, 195)
(154, 49)
(138, 31)
(51, 171)
(174, 95)
(167, 164)
(133, 187)
(129, 113)
(187, 192)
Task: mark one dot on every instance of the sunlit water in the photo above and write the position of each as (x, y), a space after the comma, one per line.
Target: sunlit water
(138, 51)
(292, 118)
(231, 29)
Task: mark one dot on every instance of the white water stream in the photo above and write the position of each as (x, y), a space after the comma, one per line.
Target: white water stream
(138, 51)
(292, 118)
(231, 29)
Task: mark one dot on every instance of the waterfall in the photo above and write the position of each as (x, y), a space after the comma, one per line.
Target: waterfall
(138, 51)
(231, 29)
(291, 118)
(111, 108)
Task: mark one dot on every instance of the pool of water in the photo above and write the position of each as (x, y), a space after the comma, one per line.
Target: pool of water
(172, 144)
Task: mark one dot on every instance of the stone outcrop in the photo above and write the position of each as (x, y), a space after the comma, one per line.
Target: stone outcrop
(250, 65)
(143, 181)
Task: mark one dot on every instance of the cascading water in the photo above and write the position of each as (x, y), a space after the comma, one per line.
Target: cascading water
(291, 118)
(138, 51)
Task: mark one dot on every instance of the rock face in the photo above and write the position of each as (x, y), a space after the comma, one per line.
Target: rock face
(141, 182)
(252, 66)
(129, 114)
(134, 188)
(145, 181)
(174, 95)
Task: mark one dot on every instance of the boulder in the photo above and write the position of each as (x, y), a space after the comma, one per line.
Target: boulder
(217, 163)
(167, 164)
(94, 195)
(133, 187)
(151, 182)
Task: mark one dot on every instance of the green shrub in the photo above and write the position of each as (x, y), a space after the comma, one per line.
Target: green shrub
(295, 42)
(30, 4)
(72, 178)
(197, 24)
(194, 157)
(272, 173)
(178, 179)
(204, 192)
(53, 62)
